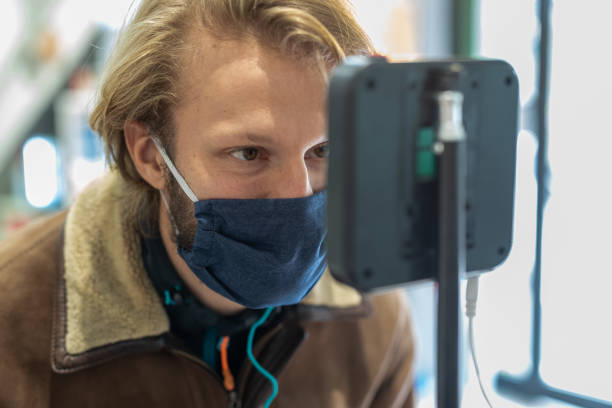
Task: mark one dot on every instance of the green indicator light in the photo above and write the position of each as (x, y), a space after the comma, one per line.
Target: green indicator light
(425, 164)
(425, 138)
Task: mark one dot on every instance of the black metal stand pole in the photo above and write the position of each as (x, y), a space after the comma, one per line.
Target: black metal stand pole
(452, 174)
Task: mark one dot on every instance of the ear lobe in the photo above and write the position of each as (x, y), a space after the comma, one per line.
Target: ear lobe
(144, 154)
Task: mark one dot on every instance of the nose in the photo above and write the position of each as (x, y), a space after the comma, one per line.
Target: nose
(292, 181)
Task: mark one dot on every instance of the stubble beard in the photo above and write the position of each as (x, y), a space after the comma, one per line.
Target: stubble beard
(181, 213)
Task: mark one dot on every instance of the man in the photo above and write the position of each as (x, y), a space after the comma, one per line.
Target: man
(212, 108)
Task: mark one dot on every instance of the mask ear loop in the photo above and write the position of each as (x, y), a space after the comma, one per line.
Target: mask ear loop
(177, 175)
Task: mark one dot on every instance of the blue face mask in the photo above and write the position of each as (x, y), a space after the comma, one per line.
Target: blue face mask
(256, 252)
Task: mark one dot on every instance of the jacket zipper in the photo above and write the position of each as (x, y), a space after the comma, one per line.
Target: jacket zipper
(232, 396)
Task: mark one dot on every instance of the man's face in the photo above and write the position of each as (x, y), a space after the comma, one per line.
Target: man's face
(250, 124)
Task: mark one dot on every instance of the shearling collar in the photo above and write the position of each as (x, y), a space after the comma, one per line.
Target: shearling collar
(106, 305)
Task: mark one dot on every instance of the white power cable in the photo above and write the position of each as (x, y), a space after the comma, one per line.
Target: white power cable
(471, 297)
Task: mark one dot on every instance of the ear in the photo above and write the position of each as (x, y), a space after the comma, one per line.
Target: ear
(144, 154)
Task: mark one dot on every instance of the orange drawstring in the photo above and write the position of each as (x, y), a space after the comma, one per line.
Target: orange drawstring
(228, 378)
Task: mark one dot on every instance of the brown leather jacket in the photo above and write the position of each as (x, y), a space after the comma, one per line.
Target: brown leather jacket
(82, 326)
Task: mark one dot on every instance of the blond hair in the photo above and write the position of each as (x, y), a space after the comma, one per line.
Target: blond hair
(141, 78)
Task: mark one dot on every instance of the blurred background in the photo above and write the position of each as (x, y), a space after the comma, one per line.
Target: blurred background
(51, 58)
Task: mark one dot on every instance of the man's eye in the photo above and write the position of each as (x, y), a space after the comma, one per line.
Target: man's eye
(246, 154)
(321, 151)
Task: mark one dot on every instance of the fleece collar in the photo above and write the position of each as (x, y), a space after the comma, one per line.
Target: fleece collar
(106, 297)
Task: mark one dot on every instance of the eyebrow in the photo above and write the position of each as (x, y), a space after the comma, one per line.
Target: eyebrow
(241, 137)
(257, 138)
(263, 139)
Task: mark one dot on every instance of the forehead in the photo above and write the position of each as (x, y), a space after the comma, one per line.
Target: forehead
(229, 77)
